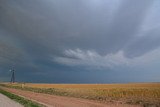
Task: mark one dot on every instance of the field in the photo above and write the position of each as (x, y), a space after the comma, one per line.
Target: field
(146, 94)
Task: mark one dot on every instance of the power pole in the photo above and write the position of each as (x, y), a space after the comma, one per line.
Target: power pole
(13, 75)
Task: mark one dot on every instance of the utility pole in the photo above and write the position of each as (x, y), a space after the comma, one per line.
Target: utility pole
(13, 75)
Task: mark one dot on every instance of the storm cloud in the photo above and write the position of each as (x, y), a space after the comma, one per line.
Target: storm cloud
(68, 38)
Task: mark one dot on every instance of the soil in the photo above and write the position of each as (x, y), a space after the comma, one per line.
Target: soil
(60, 101)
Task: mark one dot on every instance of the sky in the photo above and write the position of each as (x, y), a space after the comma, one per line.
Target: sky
(80, 41)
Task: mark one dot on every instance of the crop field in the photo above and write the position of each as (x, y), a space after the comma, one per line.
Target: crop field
(133, 93)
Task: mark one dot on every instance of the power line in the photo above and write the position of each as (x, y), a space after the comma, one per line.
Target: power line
(13, 76)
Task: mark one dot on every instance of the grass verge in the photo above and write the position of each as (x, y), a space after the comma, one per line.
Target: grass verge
(21, 100)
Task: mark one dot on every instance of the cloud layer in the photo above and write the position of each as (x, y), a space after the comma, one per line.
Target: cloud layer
(96, 61)
(43, 37)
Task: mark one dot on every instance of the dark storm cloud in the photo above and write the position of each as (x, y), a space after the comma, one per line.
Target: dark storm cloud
(126, 22)
(143, 44)
(32, 32)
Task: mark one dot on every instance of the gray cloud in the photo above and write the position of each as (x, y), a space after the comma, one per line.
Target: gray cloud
(143, 44)
(33, 32)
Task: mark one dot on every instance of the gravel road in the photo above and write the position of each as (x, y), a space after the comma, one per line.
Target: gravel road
(6, 102)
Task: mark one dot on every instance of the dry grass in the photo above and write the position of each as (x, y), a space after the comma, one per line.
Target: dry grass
(136, 93)
(94, 86)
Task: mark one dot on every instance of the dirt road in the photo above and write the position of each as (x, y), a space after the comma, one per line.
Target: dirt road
(6, 102)
(59, 101)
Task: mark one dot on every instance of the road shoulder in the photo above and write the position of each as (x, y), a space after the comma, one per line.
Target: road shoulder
(7, 102)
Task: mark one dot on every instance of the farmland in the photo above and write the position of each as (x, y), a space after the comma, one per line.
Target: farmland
(135, 93)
